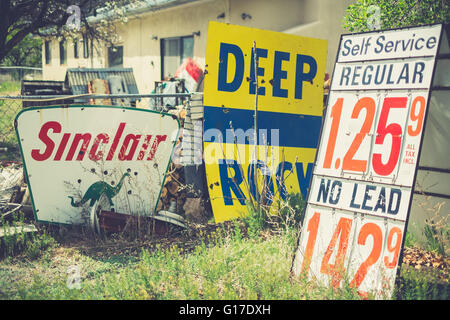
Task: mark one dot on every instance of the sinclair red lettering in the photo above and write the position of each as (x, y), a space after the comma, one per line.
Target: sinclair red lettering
(131, 137)
(49, 144)
(80, 144)
(78, 137)
(155, 145)
(62, 146)
(93, 154)
(116, 141)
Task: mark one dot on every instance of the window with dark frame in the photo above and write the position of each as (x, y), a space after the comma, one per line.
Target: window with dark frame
(48, 53)
(62, 52)
(75, 48)
(173, 52)
(115, 56)
(85, 47)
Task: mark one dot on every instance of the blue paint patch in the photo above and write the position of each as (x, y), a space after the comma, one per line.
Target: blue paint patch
(296, 131)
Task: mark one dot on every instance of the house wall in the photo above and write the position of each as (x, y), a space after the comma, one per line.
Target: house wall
(56, 71)
(312, 18)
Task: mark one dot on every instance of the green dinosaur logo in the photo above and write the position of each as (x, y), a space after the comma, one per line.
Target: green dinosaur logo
(96, 189)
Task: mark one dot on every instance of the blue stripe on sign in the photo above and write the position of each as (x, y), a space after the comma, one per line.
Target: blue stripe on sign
(295, 130)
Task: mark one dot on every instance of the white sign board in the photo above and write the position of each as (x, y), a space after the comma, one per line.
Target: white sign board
(361, 188)
(73, 155)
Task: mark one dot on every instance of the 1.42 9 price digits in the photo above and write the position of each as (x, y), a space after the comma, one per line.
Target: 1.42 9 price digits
(395, 130)
(340, 242)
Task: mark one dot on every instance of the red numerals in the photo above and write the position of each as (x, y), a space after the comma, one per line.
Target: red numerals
(336, 112)
(333, 260)
(393, 248)
(349, 163)
(417, 117)
(365, 108)
(337, 270)
(395, 130)
(373, 230)
(313, 227)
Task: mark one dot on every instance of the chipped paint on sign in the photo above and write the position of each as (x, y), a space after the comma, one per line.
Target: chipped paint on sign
(76, 154)
(290, 74)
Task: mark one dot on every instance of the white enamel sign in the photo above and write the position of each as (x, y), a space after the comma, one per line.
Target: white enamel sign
(361, 188)
(74, 154)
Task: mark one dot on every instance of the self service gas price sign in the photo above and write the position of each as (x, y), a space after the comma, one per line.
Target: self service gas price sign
(285, 87)
(369, 149)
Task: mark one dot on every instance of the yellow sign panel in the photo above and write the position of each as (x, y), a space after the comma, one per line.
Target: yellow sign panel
(290, 72)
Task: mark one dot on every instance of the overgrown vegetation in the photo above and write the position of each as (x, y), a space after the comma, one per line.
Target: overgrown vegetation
(17, 238)
(413, 284)
(9, 87)
(364, 15)
(248, 258)
(27, 53)
(225, 264)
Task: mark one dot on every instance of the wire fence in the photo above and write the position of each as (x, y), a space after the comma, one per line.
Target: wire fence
(10, 106)
(14, 74)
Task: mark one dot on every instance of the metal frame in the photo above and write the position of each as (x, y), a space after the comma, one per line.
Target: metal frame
(430, 89)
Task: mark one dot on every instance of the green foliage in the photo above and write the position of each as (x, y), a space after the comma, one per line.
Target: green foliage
(290, 214)
(8, 112)
(8, 87)
(232, 269)
(27, 53)
(293, 212)
(255, 221)
(413, 284)
(16, 240)
(396, 14)
(410, 239)
(437, 237)
(239, 260)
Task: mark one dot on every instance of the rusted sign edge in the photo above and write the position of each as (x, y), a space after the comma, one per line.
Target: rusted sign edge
(79, 106)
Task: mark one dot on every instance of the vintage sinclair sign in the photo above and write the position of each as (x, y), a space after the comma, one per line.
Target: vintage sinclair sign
(290, 75)
(365, 169)
(74, 155)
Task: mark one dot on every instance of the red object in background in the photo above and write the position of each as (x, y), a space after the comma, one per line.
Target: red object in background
(191, 72)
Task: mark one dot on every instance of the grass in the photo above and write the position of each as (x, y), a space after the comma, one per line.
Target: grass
(224, 264)
(10, 87)
(245, 259)
(8, 111)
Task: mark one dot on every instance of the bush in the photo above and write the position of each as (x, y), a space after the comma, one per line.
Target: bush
(18, 240)
(290, 214)
(413, 284)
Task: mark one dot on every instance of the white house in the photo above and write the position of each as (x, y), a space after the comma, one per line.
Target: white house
(159, 34)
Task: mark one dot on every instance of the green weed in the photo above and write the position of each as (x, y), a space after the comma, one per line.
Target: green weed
(413, 284)
(17, 239)
(7, 87)
(437, 236)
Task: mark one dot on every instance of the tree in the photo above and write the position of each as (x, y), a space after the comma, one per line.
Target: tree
(20, 18)
(366, 15)
(27, 52)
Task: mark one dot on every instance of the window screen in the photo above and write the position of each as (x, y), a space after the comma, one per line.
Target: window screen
(173, 52)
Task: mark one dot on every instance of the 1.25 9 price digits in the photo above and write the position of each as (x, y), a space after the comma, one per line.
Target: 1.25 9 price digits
(395, 130)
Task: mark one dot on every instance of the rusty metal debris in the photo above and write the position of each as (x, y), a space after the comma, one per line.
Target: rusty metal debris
(103, 219)
(114, 222)
(13, 191)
